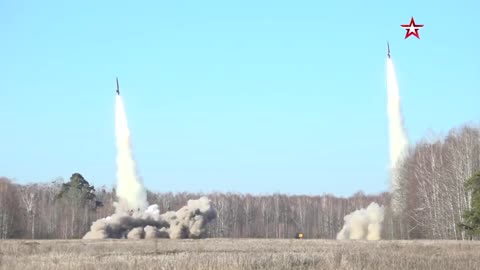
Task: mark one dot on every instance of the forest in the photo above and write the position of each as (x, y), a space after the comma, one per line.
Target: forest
(431, 195)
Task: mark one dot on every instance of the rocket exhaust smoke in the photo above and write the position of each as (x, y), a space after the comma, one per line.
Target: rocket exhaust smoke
(363, 224)
(132, 219)
(367, 223)
(397, 135)
(188, 222)
(130, 190)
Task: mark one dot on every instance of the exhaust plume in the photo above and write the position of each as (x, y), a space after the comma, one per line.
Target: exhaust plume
(363, 224)
(132, 219)
(397, 135)
(130, 190)
(188, 222)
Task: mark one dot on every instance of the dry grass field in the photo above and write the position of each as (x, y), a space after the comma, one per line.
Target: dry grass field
(229, 254)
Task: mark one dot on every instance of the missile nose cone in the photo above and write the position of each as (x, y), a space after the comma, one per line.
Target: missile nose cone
(118, 87)
(388, 49)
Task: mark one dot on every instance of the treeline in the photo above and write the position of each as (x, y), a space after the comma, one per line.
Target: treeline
(432, 192)
(37, 211)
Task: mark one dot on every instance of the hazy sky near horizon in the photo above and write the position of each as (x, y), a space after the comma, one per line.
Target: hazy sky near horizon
(241, 96)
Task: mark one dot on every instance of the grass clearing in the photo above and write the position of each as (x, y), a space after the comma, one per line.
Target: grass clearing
(229, 254)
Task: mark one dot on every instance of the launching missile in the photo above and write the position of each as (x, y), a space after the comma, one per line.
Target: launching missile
(118, 88)
(388, 50)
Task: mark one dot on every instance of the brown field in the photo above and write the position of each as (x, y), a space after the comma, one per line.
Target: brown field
(227, 254)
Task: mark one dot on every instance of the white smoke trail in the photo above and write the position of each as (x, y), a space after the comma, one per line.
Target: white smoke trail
(363, 224)
(397, 135)
(130, 190)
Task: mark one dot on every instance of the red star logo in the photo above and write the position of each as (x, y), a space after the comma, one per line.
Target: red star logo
(412, 28)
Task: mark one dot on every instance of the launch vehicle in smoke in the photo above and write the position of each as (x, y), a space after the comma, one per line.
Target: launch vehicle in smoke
(118, 88)
(388, 52)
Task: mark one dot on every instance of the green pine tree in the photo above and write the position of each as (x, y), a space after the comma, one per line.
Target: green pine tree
(78, 191)
(471, 217)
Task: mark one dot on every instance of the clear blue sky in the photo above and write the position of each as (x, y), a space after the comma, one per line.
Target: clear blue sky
(252, 96)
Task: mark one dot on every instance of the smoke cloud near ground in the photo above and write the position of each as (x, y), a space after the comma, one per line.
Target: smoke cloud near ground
(132, 219)
(363, 224)
(188, 222)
